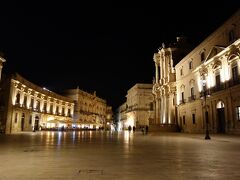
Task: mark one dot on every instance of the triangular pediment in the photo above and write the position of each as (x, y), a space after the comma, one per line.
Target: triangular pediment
(214, 51)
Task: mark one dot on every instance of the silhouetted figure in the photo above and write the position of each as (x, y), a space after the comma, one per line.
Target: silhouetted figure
(146, 129)
(143, 129)
(134, 128)
(129, 128)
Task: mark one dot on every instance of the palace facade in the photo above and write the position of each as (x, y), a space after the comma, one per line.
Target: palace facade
(208, 82)
(91, 112)
(202, 90)
(28, 107)
(138, 109)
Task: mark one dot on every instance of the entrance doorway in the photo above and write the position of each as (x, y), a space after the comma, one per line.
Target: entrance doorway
(22, 122)
(221, 117)
(36, 123)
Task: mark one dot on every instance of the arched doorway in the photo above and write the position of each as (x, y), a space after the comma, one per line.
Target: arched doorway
(22, 122)
(220, 117)
(36, 123)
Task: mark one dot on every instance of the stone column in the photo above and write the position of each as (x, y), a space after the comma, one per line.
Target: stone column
(157, 111)
(161, 67)
(156, 72)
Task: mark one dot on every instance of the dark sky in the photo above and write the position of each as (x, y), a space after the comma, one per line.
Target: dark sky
(102, 47)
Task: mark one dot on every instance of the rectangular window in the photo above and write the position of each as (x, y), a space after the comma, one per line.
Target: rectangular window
(190, 65)
(202, 56)
(182, 97)
(218, 81)
(231, 36)
(235, 73)
(151, 106)
(183, 120)
(192, 92)
(30, 119)
(16, 117)
(238, 112)
(181, 71)
(193, 119)
(31, 104)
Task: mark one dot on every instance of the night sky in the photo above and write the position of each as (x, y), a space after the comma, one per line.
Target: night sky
(105, 48)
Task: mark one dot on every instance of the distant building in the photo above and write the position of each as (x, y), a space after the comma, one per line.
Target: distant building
(26, 107)
(91, 112)
(2, 60)
(138, 109)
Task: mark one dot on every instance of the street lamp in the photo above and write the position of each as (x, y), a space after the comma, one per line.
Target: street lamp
(207, 137)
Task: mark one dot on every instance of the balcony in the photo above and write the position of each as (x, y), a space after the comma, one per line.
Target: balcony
(218, 87)
(182, 101)
(234, 82)
(192, 98)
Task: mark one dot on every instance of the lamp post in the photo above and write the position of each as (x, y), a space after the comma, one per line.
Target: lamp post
(207, 137)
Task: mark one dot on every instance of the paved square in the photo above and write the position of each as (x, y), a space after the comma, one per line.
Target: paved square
(118, 155)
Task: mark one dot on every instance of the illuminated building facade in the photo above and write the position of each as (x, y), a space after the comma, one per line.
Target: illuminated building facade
(211, 70)
(2, 60)
(138, 109)
(91, 112)
(29, 107)
(164, 85)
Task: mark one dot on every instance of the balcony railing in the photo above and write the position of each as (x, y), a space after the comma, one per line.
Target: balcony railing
(233, 82)
(182, 101)
(192, 98)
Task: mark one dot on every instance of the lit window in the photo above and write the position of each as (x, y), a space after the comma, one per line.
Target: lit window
(238, 112)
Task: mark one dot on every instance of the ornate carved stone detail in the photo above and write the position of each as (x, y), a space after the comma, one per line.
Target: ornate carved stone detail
(217, 63)
(203, 71)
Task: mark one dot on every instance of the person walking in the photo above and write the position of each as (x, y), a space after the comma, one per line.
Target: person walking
(146, 129)
(143, 130)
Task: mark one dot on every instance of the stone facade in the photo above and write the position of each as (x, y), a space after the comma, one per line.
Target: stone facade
(164, 86)
(2, 60)
(208, 82)
(138, 109)
(28, 107)
(91, 112)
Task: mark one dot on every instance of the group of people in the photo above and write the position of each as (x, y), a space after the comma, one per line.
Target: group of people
(144, 129)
